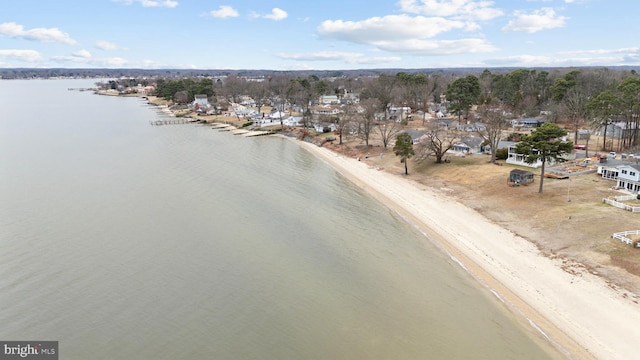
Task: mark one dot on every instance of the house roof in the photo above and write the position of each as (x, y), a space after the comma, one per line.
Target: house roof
(520, 172)
(532, 120)
(415, 134)
(503, 144)
(472, 141)
(634, 166)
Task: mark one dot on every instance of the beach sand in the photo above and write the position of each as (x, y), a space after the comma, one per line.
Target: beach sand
(581, 315)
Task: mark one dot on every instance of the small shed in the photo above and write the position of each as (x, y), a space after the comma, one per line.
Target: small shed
(519, 176)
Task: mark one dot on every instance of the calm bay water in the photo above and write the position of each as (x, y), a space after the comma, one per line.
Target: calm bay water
(124, 240)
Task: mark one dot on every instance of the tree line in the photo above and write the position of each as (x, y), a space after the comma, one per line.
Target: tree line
(587, 98)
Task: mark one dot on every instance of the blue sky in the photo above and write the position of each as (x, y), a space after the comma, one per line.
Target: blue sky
(318, 35)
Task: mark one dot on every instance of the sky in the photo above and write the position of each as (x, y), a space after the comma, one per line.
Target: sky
(318, 34)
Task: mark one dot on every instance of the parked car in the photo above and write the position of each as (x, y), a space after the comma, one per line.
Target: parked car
(612, 155)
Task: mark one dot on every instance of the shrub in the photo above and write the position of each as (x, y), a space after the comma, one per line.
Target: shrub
(502, 154)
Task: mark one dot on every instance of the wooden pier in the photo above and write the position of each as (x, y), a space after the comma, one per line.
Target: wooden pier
(244, 132)
(174, 121)
(220, 127)
(257, 133)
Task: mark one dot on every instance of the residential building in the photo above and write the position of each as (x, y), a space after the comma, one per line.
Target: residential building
(629, 178)
(515, 158)
(201, 100)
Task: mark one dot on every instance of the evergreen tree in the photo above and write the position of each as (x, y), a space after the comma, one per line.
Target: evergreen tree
(404, 149)
(545, 144)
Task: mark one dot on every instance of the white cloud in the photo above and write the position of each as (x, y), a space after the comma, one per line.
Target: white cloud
(318, 56)
(14, 30)
(106, 45)
(276, 14)
(82, 54)
(387, 28)
(375, 60)
(151, 3)
(634, 50)
(114, 62)
(224, 11)
(347, 57)
(404, 34)
(597, 57)
(437, 47)
(542, 19)
(84, 57)
(521, 60)
(457, 9)
(22, 55)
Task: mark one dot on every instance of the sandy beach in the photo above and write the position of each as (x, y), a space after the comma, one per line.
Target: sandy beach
(581, 315)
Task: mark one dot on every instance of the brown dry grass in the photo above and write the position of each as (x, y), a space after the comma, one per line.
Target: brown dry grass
(568, 220)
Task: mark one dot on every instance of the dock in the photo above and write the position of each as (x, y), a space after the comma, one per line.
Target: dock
(244, 132)
(173, 121)
(257, 133)
(220, 127)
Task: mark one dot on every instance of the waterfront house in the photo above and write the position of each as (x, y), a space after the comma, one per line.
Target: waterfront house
(502, 144)
(531, 122)
(323, 127)
(416, 135)
(325, 110)
(471, 127)
(467, 145)
(328, 100)
(292, 121)
(515, 158)
(608, 169)
(629, 178)
(201, 100)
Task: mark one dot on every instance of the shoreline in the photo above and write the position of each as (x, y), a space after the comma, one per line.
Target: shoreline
(581, 316)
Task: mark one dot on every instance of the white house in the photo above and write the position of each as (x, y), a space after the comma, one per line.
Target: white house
(518, 159)
(502, 144)
(324, 127)
(608, 172)
(201, 100)
(325, 110)
(629, 178)
(467, 145)
(328, 99)
(416, 135)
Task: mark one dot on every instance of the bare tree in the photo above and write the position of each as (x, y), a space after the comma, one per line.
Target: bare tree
(233, 87)
(278, 86)
(344, 120)
(383, 89)
(258, 92)
(435, 143)
(388, 130)
(575, 101)
(495, 123)
(367, 118)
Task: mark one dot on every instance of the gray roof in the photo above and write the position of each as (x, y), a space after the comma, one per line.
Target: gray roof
(415, 134)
